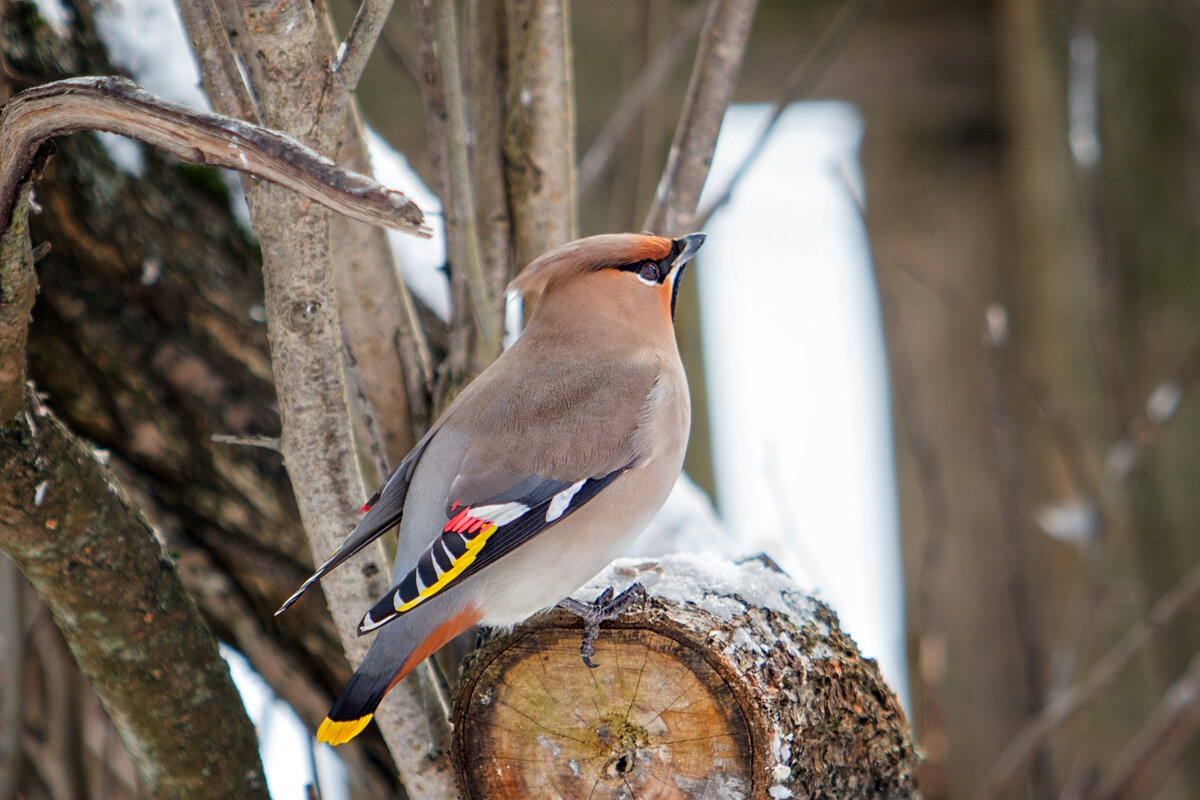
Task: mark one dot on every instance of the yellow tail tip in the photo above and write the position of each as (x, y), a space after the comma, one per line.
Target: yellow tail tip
(337, 732)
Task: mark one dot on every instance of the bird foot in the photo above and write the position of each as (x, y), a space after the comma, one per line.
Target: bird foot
(604, 608)
(482, 634)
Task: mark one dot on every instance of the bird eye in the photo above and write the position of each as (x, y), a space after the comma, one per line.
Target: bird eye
(649, 272)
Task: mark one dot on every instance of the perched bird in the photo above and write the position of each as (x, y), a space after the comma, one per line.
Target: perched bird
(540, 472)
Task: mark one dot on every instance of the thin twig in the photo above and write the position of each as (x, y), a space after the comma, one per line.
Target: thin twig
(801, 82)
(718, 58)
(1143, 430)
(539, 127)
(1087, 512)
(1151, 755)
(354, 53)
(1009, 496)
(119, 106)
(265, 442)
(633, 103)
(220, 75)
(1065, 704)
(445, 114)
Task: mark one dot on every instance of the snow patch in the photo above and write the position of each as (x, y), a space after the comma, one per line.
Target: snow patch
(127, 154)
(710, 581)
(146, 38)
(546, 743)
(742, 640)
(56, 15)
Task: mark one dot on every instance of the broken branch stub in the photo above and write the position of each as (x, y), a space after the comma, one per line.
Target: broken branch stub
(117, 105)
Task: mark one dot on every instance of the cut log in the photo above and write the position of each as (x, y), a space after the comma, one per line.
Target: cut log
(728, 683)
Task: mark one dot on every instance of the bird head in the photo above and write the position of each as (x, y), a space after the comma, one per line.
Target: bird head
(638, 273)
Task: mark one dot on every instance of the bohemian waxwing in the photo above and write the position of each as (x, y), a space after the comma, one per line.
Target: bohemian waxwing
(540, 472)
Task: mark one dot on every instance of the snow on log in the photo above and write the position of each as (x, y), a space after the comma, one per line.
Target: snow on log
(729, 682)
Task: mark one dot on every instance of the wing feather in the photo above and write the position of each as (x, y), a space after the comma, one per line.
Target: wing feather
(472, 540)
(383, 510)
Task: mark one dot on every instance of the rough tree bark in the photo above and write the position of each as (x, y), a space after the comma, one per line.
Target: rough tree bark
(728, 682)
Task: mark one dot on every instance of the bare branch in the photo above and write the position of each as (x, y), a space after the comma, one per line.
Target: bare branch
(445, 125)
(355, 51)
(539, 127)
(484, 21)
(722, 45)
(632, 105)
(437, 134)
(118, 106)
(383, 330)
(460, 210)
(805, 76)
(1158, 746)
(265, 442)
(1010, 499)
(1065, 704)
(220, 76)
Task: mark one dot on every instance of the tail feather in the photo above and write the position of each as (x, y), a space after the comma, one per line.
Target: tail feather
(355, 707)
(335, 733)
(396, 651)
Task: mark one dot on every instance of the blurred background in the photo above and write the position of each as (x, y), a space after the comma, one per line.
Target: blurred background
(942, 344)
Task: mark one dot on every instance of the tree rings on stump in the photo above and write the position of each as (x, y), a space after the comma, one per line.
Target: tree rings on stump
(653, 719)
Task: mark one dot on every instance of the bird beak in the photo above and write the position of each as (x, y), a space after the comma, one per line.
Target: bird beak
(691, 244)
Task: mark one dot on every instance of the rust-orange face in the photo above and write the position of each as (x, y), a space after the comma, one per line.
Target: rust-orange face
(661, 271)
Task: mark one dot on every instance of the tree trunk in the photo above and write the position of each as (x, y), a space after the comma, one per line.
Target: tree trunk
(727, 682)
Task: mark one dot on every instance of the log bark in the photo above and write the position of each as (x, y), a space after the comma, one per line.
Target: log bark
(727, 682)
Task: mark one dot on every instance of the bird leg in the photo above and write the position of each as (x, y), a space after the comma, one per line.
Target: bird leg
(482, 634)
(604, 608)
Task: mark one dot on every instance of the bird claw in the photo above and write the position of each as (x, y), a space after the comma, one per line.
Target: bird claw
(482, 634)
(604, 608)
